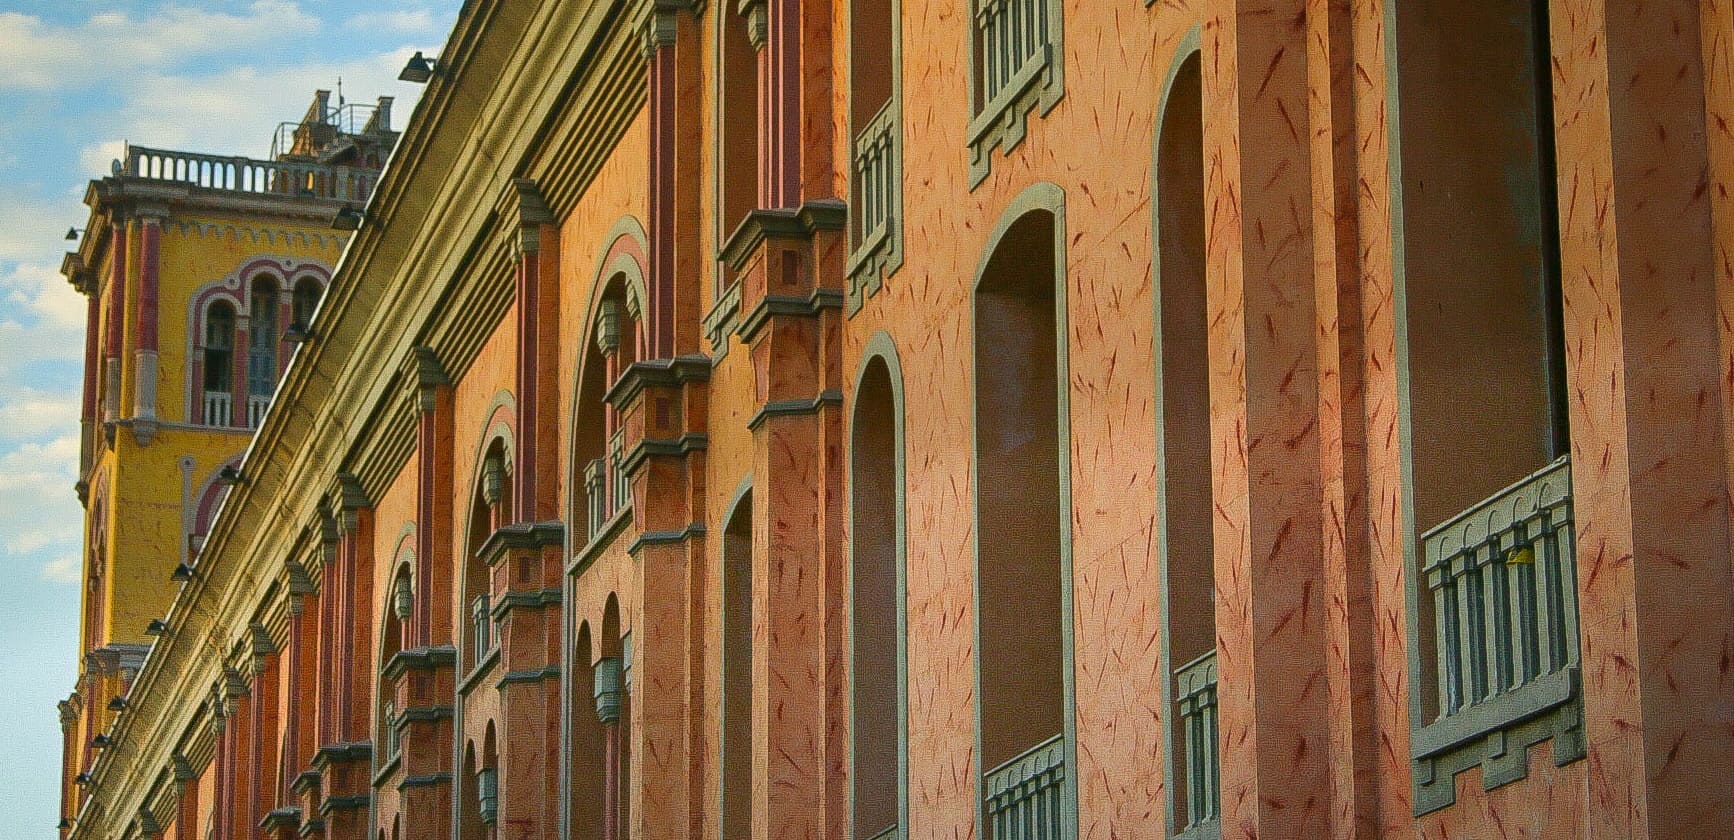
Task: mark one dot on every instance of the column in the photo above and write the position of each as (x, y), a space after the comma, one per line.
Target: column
(1650, 445)
(538, 293)
(424, 675)
(115, 334)
(1261, 281)
(145, 351)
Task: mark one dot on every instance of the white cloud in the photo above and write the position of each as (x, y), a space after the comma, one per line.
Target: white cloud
(29, 414)
(62, 569)
(401, 21)
(44, 56)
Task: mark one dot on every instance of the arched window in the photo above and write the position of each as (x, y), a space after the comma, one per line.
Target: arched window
(262, 352)
(599, 440)
(1482, 392)
(1020, 567)
(219, 365)
(488, 512)
(469, 800)
(488, 780)
(737, 676)
(303, 303)
(585, 757)
(878, 718)
(399, 606)
(1186, 540)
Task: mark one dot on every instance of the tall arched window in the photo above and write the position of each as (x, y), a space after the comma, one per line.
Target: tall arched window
(1021, 617)
(262, 352)
(737, 677)
(1183, 433)
(470, 825)
(879, 722)
(598, 443)
(399, 605)
(586, 773)
(1492, 591)
(488, 512)
(304, 301)
(219, 365)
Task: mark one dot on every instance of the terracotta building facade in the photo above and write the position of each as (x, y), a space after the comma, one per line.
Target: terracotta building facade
(1011, 419)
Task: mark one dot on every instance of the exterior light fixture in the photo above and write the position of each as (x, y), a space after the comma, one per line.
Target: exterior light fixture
(229, 475)
(348, 217)
(298, 333)
(117, 704)
(183, 572)
(101, 741)
(72, 234)
(65, 824)
(419, 69)
(157, 627)
(83, 779)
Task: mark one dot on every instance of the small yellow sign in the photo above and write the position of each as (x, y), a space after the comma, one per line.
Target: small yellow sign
(1521, 557)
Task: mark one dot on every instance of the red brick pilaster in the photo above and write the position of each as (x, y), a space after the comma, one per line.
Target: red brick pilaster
(1261, 280)
(534, 480)
(1639, 264)
(525, 563)
(791, 269)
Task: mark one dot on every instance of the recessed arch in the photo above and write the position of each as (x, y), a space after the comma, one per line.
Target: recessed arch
(1185, 521)
(617, 287)
(735, 793)
(878, 621)
(1023, 609)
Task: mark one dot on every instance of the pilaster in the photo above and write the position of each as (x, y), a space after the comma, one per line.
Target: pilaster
(664, 411)
(791, 269)
(535, 491)
(1649, 436)
(145, 372)
(1261, 281)
(423, 681)
(524, 562)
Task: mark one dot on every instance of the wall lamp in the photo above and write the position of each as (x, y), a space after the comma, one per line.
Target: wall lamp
(101, 741)
(419, 69)
(117, 704)
(230, 476)
(349, 217)
(72, 233)
(183, 572)
(83, 779)
(157, 627)
(298, 334)
(65, 824)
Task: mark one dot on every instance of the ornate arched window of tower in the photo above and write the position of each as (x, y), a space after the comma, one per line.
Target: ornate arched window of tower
(262, 331)
(219, 365)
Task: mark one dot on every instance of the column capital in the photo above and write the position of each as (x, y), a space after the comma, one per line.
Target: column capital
(429, 376)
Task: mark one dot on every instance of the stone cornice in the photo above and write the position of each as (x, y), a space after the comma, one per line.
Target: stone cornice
(521, 536)
(671, 373)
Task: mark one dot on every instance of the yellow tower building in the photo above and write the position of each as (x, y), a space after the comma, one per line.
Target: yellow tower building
(202, 273)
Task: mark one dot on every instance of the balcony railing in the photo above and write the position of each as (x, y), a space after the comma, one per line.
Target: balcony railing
(256, 408)
(878, 181)
(247, 175)
(595, 485)
(1016, 69)
(1502, 580)
(1014, 45)
(219, 409)
(482, 622)
(1201, 762)
(1023, 798)
(617, 471)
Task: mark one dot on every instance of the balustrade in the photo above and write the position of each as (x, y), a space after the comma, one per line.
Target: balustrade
(622, 491)
(482, 620)
(247, 175)
(1504, 592)
(595, 484)
(1014, 39)
(219, 408)
(256, 408)
(1023, 798)
(877, 178)
(1201, 762)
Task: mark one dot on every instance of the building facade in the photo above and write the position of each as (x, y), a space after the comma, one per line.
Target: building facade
(202, 274)
(1016, 419)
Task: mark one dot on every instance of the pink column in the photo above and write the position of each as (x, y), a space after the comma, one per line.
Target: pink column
(115, 336)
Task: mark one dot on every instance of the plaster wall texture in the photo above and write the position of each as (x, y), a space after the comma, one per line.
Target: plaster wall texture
(1313, 319)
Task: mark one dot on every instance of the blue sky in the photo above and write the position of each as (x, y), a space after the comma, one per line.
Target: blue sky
(79, 78)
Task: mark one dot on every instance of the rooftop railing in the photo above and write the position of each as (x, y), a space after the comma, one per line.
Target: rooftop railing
(247, 175)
